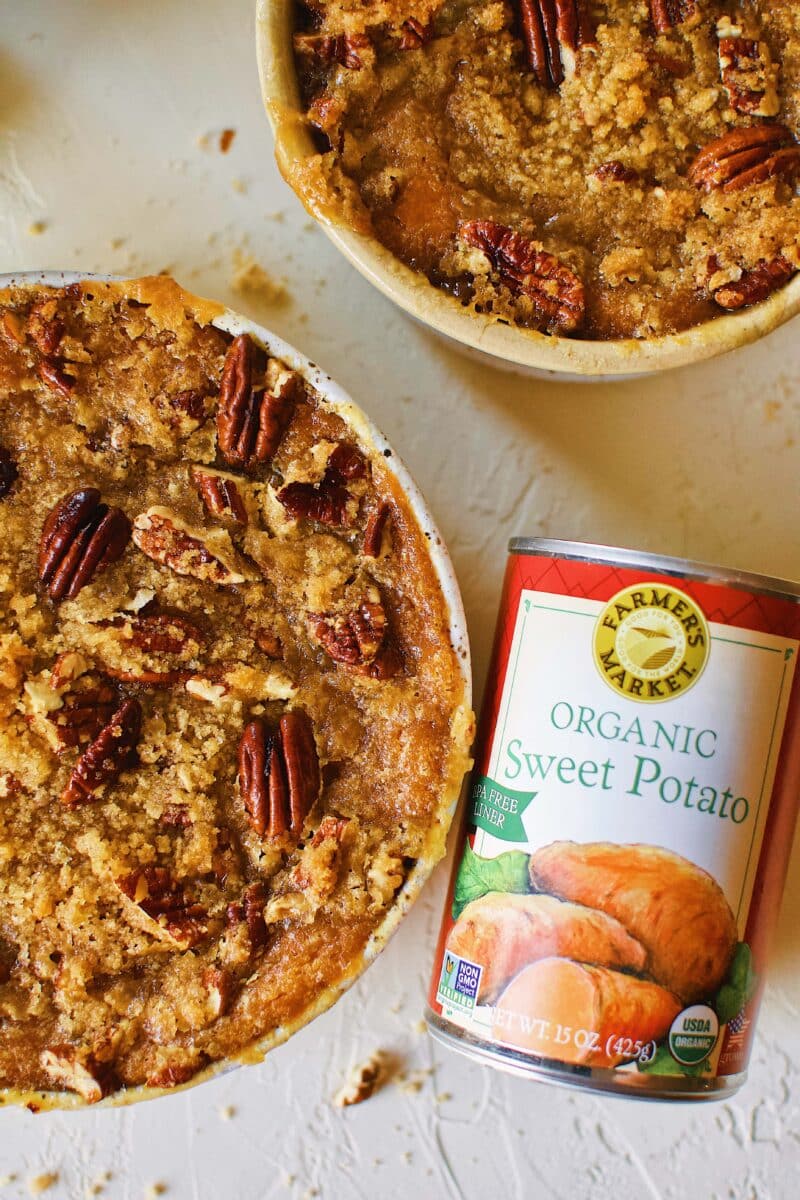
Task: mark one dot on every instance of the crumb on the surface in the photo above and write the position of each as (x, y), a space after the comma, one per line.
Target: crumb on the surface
(414, 1081)
(116, 243)
(239, 185)
(363, 1082)
(41, 1183)
(443, 1097)
(6, 1179)
(155, 1189)
(227, 1112)
(419, 1026)
(226, 140)
(36, 228)
(249, 278)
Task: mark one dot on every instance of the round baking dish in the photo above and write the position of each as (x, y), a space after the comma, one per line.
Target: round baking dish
(523, 350)
(462, 725)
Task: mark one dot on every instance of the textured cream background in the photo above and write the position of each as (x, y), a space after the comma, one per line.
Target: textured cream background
(101, 106)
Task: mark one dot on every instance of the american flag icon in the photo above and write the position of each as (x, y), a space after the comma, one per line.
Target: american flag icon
(737, 1029)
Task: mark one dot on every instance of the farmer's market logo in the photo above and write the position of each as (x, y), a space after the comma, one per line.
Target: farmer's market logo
(651, 642)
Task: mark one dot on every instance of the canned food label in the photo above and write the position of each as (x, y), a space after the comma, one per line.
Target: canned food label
(616, 823)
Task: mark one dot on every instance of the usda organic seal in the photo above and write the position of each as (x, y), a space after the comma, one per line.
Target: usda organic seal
(693, 1034)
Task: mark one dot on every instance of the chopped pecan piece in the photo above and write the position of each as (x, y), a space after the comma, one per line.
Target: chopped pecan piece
(743, 157)
(376, 526)
(162, 536)
(220, 985)
(253, 900)
(269, 643)
(13, 328)
(615, 172)
(111, 752)
(413, 34)
(173, 1075)
(8, 472)
(220, 494)
(667, 14)
(46, 329)
(51, 372)
(755, 285)
(552, 31)
(163, 899)
(77, 1071)
(556, 292)
(346, 49)
(279, 777)
(252, 418)
(329, 501)
(747, 71)
(190, 409)
(80, 537)
(176, 816)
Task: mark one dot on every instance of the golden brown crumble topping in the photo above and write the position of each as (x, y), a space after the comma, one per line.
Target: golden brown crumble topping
(231, 716)
(547, 161)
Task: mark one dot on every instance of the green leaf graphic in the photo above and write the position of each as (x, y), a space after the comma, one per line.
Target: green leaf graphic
(477, 876)
(739, 986)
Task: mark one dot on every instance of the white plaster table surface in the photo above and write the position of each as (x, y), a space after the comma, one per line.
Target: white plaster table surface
(104, 105)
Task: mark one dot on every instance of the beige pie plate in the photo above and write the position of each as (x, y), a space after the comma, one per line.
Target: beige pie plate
(461, 734)
(533, 353)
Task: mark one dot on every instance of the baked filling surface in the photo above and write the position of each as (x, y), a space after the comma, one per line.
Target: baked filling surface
(597, 170)
(231, 717)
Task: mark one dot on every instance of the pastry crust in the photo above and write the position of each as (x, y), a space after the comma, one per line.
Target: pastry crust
(130, 962)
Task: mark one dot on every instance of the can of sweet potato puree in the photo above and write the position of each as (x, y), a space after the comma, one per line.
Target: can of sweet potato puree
(628, 826)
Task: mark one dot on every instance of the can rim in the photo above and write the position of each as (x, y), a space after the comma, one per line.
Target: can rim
(686, 568)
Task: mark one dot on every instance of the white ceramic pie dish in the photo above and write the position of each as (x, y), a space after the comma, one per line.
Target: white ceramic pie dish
(505, 345)
(462, 726)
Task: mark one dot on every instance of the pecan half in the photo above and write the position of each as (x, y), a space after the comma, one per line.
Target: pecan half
(162, 536)
(552, 31)
(220, 494)
(279, 776)
(667, 14)
(8, 472)
(163, 899)
(329, 501)
(747, 71)
(110, 753)
(556, 292)
(251, 419)
(346, 49)
(80, 537)
(359, 639)
(87, 708)
(755, 285)
(743, 157)
(51, 372)
(165, 633)
(375, 528)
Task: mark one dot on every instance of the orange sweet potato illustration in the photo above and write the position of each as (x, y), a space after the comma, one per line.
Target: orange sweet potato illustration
(590, 1016)
(505, 932)
(674, 908)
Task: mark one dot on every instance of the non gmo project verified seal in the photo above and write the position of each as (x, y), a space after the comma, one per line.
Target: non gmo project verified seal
(458, 983)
